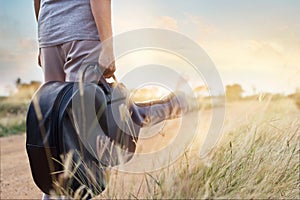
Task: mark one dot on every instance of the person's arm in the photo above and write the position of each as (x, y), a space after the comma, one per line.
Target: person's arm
(37, 4)
(101, 10)
(37, 8)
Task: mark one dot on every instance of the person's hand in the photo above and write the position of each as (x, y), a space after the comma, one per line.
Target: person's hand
(107, 62)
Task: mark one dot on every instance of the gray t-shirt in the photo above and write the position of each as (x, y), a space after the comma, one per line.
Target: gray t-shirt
(62, 21)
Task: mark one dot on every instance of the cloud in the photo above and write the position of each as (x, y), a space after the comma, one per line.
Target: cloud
(200, 25)
(122, 24)
(265, 49)
(18, 59)
(28, 44)
(274, 52)
(270, 65)
(167, 22)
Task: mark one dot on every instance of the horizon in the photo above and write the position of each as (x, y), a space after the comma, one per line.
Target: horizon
(162, 91)
(255, 44)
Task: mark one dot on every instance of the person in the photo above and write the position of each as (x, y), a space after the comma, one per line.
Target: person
(71, 33)
(74, 32)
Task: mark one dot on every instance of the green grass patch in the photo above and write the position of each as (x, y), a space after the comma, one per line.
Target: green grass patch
(12, 116)
(12, 129)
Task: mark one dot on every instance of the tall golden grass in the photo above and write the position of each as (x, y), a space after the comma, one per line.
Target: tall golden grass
(257, 157)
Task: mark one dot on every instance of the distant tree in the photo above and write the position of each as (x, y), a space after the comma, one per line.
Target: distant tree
(25, 90)
(201, 91)
(234, 92)
(18, 82)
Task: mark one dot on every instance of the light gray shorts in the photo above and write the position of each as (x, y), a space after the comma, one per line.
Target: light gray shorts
(63, 62)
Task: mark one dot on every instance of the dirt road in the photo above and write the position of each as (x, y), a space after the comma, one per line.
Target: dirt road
(15, 177)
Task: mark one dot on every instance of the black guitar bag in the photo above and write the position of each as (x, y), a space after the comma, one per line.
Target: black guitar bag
(53, 138)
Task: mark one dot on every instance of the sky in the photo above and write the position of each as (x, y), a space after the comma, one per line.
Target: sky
(254, 43)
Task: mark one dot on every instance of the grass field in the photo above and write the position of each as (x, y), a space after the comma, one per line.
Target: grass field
(12, 116)
(257, 157)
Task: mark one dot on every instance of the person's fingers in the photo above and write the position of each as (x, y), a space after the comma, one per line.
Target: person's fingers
(109, 72)
(107, 63)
